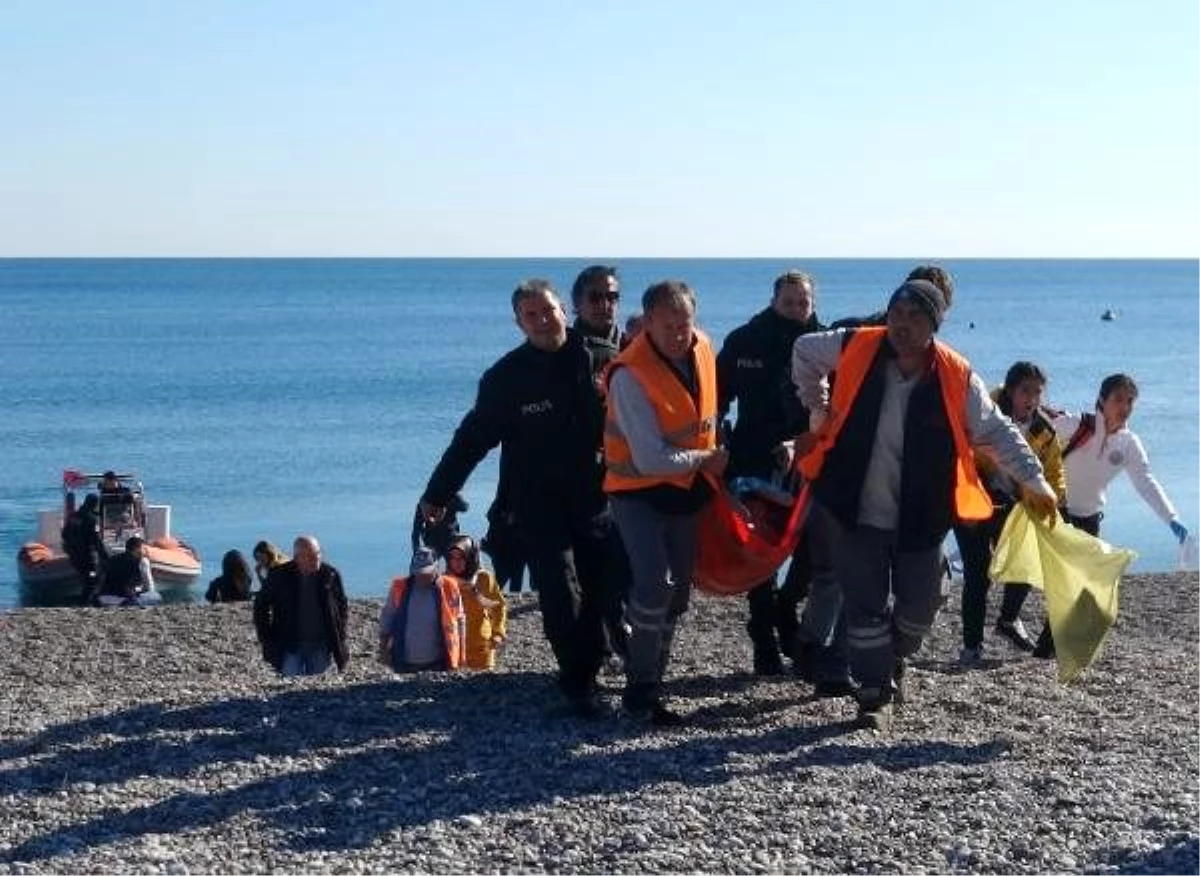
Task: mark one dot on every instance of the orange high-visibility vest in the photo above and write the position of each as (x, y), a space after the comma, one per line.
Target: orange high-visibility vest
(450, 608)
(684, 421)
(971, 501)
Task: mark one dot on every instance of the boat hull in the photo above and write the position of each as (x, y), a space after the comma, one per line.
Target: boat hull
(51, 568)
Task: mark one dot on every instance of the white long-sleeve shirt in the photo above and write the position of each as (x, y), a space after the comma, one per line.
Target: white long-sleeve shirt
(815, 355)
(1093, 465)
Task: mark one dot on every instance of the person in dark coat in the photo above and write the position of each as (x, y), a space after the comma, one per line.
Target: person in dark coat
(595, 297)
(234, 582)
(540, 404)
(300, 613)
(754, 370)
(84, 547)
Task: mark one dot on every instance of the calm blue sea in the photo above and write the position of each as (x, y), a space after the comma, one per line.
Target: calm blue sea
(264, 398)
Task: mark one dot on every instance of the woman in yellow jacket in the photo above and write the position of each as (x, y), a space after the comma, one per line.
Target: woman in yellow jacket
(483, 603)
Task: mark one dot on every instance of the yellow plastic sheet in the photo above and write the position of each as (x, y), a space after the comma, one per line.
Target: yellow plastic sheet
(1079, 576)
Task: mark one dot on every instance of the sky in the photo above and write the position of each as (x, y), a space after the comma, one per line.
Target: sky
(953, 129)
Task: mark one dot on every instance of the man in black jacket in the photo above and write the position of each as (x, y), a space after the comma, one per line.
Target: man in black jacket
(754, 369)
(595, 297)
(539, 402)
(300, 613)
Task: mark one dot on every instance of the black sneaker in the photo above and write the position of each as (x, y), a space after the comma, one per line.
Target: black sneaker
(656, 714)
(1044, 649)
(875, 711)
(767, 663)
(1015, 632)
(833, 688)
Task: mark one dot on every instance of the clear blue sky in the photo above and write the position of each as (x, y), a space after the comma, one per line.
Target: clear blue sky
(471, 127)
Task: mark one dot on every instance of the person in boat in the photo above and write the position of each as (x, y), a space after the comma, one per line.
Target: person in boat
(422, 626)
(300, 613)
(754, 370)
(266, 557)
(891, 467)
(115, 493)
(483, 603)
(84, 546)
(540, 404)
(660, 438)
(127, 575)
(234, 582)
(1097, 447)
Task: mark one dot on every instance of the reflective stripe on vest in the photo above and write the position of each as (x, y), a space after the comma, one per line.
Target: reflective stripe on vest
(683, 423)
(971, 501)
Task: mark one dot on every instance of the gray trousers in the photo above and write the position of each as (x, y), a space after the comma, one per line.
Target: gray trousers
(891, 598)
(662, 551)
(821, 623)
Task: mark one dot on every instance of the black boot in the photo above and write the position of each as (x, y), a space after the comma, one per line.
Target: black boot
(1044, 649)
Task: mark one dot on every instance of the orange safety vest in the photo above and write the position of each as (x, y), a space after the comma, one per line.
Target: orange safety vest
(684, 421)
(450, 608)
(971, 500)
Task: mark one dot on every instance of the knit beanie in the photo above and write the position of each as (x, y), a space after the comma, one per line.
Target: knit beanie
(926, 296)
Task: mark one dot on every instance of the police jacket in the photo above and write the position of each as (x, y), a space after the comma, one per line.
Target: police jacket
(545, 409)
(754, 368)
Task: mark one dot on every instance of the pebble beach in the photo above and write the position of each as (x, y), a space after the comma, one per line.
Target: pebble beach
(156, 741)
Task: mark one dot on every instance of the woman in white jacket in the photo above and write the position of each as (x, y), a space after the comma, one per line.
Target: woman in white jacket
(1098, 447)
(1106, 447)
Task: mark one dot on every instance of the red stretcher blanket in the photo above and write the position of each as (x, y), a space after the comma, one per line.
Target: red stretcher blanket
(745, 536)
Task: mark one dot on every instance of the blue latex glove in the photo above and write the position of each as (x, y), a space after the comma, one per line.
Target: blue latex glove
(1180, 530)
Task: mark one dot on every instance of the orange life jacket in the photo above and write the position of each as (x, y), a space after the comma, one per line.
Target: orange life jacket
(685, 421)
(450, 609)
(971, 500)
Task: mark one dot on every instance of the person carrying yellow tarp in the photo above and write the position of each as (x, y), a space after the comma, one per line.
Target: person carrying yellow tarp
(1077, 573)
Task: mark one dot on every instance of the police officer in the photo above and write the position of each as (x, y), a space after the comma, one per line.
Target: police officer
(540, 404)
(754, 369)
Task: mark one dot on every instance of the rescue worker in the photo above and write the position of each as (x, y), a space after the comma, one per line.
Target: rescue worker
(754, 370)
(891, 466)
(660, 434)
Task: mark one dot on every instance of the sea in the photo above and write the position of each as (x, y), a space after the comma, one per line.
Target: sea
(265, 398)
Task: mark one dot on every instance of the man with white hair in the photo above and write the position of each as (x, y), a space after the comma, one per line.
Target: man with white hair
(300, 613)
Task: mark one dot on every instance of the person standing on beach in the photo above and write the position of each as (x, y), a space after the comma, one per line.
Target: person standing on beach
(1096, 448)
(1019, 399)
(540, 404)
(891, 467)
(595, 297)
(300, 613)
(754, 370)
(659, 437)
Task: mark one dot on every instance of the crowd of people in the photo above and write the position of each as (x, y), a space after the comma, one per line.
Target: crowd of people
(612, 444)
